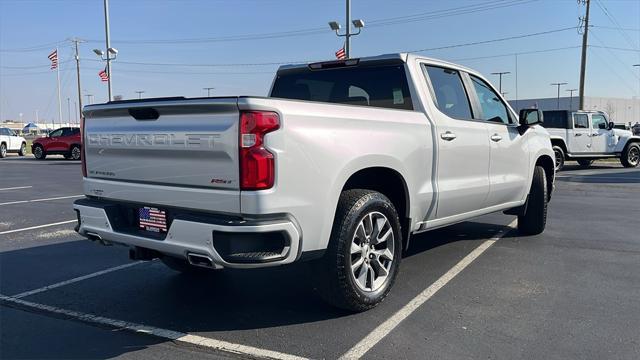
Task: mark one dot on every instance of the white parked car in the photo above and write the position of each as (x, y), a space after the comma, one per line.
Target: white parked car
(11, 142)
(585, 136)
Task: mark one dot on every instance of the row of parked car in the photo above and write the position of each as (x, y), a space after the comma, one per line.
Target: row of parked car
(64, 141)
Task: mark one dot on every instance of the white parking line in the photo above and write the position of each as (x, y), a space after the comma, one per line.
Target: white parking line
(16, 188)
(75, 280)
(39, 200)
(386, 327)
(36, 227)
(155, 331)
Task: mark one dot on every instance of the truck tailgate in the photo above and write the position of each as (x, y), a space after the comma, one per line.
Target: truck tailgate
(177, 143)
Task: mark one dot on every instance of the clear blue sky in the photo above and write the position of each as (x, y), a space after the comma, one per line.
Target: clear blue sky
(27, 85)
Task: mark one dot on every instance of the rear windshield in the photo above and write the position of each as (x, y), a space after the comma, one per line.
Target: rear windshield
(378, 86)
(555, 119)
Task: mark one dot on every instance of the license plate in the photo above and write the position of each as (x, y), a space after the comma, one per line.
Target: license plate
(152, 219)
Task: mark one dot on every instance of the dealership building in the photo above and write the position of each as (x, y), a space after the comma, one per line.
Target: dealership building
(621, 111)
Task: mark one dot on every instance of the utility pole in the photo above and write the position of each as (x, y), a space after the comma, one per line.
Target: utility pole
(208, 90)
(108, 43)
(76, 41)
(59, 98)
(139, 92)
(75, 104)
(500, 74)
(583, 60)
(571, 98)
(558, 85)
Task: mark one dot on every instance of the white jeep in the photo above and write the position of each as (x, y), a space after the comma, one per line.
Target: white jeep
(585, 136)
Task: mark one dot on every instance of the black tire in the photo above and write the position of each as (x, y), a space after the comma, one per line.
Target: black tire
(23, 149)
(585, 163)
(75, 153)
(559, 157)
(3, 150)
(183, 266)
(631, 155)
(38, 152)
(534, 220)
(335, 279)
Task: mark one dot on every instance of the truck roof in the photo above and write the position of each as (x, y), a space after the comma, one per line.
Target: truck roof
(404, 57)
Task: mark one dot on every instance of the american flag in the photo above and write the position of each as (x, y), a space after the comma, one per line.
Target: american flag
(341, 54)
(152, 219)
(54, 59)
(104, 75)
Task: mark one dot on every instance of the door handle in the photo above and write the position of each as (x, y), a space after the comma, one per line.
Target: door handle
(595, 134)
(496, 137)
(578, 134)
(448, 136)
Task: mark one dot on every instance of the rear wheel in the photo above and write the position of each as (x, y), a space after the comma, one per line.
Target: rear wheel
(534, 219)
(585, 163)
(3, 150)
(363, 256)
(75, 152)
(23, 149)
(38, 152)
(559, 155)
(631, 155)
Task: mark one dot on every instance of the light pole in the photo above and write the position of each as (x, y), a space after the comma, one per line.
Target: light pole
(571, 98)
(558, 85)
(139, 92)
(111, 53)
(208, 90)
(500, 74)
(68, 111)
(358, 23)
(89, 98)
(638, 66)
(504, 94)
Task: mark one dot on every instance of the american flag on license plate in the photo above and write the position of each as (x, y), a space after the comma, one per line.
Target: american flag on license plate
(152, 219)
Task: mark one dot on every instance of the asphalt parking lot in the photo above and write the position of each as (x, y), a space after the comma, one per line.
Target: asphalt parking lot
(473, 290)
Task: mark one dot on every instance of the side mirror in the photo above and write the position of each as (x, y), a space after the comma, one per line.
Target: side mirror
(611, 125)
(530, 117)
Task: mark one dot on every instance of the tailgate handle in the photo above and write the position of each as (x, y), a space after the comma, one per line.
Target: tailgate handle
(144, 113)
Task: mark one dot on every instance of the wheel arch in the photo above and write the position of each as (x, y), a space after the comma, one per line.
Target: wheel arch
(548, 164)
(390, 183)
(561, 143)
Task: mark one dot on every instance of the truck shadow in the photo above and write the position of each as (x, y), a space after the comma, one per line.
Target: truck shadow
(618, 177)
(242, 305)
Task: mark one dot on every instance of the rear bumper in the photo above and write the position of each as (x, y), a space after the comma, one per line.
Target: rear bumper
(196, 235)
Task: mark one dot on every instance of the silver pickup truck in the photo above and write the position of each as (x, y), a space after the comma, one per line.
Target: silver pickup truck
(339, 166)
(585, 136)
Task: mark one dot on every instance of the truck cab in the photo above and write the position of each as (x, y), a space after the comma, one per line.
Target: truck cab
(585, 136)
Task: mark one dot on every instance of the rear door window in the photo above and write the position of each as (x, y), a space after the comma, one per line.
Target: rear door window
(383, 86)
(449, 93)
(580, 121)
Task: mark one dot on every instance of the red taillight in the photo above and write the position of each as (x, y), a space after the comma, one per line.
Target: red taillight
(82, 154)
(257, 166)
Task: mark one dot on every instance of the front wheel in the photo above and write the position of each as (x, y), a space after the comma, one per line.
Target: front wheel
(23, 149)
(534, 219)
(631, 155)
(364, 252)
(585, 163)
(3, 150)
(559, 155)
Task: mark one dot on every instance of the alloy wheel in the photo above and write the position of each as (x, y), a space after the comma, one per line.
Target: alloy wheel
(634, 156)
(372, 249)
(75, 153)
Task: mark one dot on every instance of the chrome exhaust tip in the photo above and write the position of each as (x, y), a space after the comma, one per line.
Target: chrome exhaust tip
(200, 260)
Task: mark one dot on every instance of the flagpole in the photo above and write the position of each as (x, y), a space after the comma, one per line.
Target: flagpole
(59, 99)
